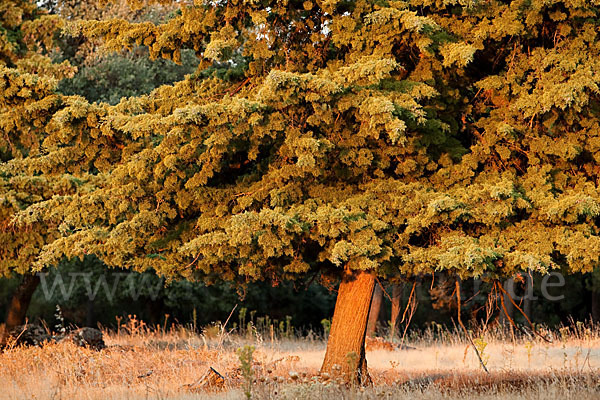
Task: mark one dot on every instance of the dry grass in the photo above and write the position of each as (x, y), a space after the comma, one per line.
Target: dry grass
(143, 364)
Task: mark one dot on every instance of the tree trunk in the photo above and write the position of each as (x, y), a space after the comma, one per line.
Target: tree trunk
(527, 305)
(528, 298)
(507, 315)
(374, 311)
(345, 355)
(19, 304)
(596, 305)
(155, 311)
(396, 303)
(90, 316)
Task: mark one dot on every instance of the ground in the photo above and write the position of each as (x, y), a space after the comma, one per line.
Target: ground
(157, 364)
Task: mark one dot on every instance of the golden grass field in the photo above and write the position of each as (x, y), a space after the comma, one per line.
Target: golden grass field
(154, 364)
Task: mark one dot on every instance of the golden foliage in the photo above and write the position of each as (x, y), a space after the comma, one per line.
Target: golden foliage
(403, 137)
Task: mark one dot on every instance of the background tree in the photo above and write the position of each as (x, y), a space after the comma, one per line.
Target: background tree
(27, 102)
(107, 77)
(33, 45)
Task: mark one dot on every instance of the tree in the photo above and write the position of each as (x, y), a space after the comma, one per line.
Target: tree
(346, 139)
(375, 310)
(36, 55)
(256, 167)
(107, 77)
(27, 103)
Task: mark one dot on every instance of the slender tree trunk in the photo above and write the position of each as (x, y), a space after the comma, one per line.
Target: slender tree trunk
(528, 298)
(596, 306)
(345, 355)
(19, 303)
(396, 304)
(527, 303)
(155, 310)
(509, 287)
(90, 316)
(374, 311)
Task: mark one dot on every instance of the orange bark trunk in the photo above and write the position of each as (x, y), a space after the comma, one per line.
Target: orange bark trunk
(345, 355)
(374, 311)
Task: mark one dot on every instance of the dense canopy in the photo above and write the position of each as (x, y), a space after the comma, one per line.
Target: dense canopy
(393, 136)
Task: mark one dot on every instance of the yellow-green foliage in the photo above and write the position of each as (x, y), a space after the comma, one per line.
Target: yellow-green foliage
(27, 106)
(396, 136)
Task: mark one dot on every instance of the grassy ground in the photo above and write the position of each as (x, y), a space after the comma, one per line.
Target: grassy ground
(142, 364)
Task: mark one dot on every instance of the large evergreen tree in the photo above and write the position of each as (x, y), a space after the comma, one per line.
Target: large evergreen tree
(34, 51)
(28, 78)
(349, 139)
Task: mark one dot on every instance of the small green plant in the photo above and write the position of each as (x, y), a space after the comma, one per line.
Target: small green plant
(242, 317)
(352, 360)
(480, 344)
(564, 333)
(250, 329)
(245, 355)
(529, 347)
(282, 328)
(326, 326)
(288, 326)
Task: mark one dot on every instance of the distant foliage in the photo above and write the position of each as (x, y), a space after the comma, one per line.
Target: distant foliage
(115, 76)
(106, 76)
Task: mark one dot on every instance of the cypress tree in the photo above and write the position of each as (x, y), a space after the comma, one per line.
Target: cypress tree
(28, 78)
(346, 139)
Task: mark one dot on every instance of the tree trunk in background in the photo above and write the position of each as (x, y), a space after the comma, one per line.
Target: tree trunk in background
(19, 304)
(375, 310)
(596, 306)
(90, 316)
(527, 299)
(509, 288)
(527, 303)
(156, 311)
(345, 355)
(397, 291)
